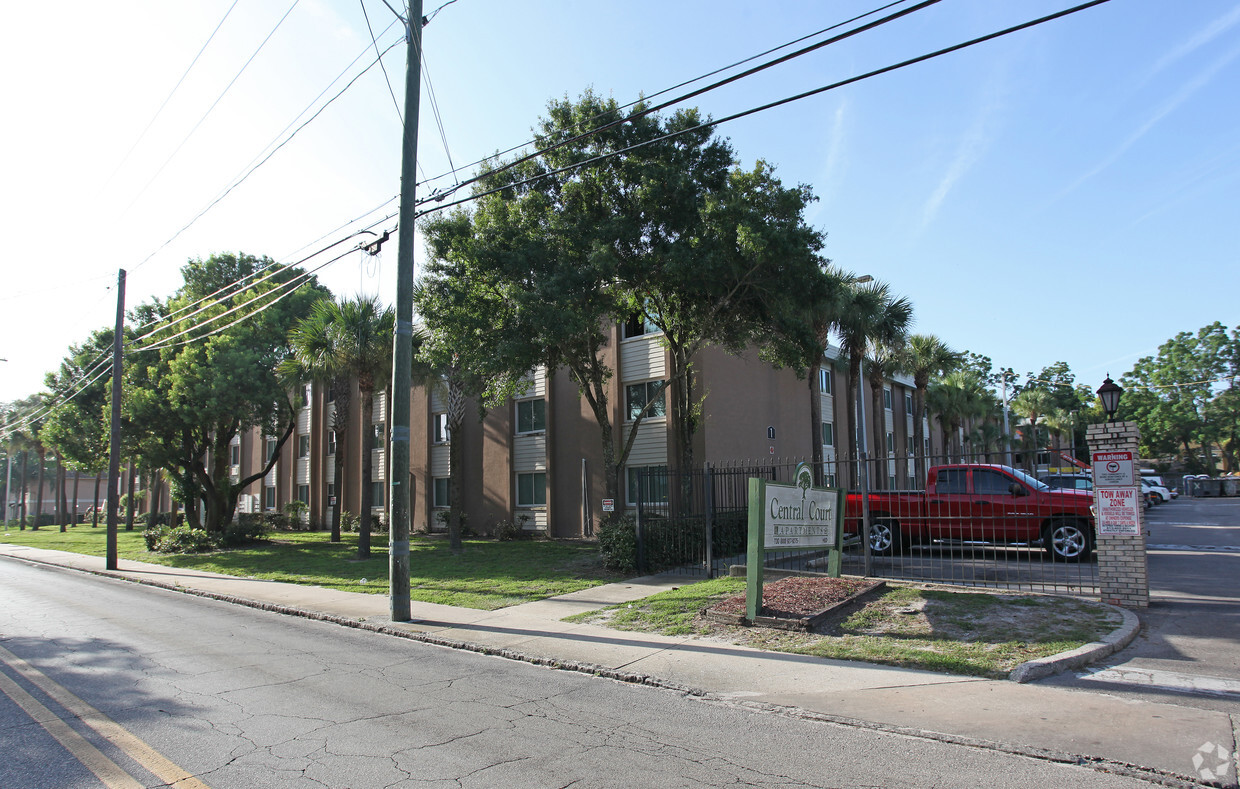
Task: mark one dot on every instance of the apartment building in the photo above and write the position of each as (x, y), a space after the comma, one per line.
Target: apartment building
(537, 461)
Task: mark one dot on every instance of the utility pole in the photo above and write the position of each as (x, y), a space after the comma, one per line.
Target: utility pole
(402, 341)
(114, 442)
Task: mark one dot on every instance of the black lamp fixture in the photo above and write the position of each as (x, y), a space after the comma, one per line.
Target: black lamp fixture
(1109, 392)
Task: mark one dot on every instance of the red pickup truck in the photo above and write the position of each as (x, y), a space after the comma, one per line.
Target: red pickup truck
(983, 503)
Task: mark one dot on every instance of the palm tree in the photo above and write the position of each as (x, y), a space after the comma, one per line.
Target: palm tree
(1033, 404)
(926, 356)
(883, 360)
(869, 313)
(955, 398)
(338, 342)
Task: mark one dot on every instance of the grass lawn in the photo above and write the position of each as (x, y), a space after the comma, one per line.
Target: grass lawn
(973, 633)
(487, 575)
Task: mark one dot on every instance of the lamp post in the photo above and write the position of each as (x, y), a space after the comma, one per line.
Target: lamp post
(1110, 393)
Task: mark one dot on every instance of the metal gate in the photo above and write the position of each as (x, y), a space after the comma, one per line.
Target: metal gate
(974, 528)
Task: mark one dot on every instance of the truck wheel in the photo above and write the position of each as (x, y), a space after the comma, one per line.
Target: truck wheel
(1067, 541)
(884, 537)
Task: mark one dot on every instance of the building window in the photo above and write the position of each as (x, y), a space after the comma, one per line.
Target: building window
(828, 434)
(269, 498)
(439, 496)
(887, 397)
(825, 383)
(234, 455)
(638, 324)
(638, 395)
(531, 416)
(439, 428)
(331, 494)
(331, 393)
(377, 435)
(303, 494)
(828, 478)
(908, 444)
(309, 392)
(303, 446)
(532, 489)
(378, 489)
(271, 448)
(891, 443)
(908, 404)
(654, 482)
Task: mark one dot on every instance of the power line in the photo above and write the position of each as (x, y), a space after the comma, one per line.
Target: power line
(746, 113)
(707, 75)
(176, 87)
(263, 161)
(386, 78)
(213, 105)
(699, 91)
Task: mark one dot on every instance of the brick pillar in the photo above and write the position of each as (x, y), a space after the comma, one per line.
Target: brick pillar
(1123, 571)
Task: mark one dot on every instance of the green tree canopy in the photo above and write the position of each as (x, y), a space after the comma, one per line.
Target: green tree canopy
(188, 396)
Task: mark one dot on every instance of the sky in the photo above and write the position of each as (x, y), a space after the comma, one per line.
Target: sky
(1066, 193)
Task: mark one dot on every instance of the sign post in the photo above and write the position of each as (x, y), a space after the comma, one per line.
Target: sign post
(797, 517)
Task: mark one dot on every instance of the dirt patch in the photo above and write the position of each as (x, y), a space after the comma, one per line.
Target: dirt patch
(796, 603)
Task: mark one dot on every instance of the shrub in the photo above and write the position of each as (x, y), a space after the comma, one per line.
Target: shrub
(617, 543)
(294, 510)
(248, 528)
(349, 521)
(181, 539)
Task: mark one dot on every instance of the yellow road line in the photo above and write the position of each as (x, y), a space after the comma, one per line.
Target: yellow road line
(133, 747)
(91, 757)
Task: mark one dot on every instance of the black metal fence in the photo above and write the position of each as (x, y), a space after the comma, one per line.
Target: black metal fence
(982, 521)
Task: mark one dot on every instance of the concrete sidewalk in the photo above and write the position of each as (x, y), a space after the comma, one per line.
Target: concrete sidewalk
(1151, 739)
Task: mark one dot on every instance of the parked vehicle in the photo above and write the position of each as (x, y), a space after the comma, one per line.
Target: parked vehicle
(1070, 481)
(1157, 492)
(981, 503)
(1157, 481)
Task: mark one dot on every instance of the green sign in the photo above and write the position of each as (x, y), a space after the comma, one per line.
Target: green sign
(796, 517)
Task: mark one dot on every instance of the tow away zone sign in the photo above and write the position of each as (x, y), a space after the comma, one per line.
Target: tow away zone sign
(1119, 511)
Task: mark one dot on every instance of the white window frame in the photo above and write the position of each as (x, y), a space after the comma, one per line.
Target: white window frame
(440, 434)
(629, 416)
(533, 408)
(826, 384)
(888, 399)
(630, 497)
(269, 497)
(827, 427)
(303, 445)
(533, 478)
(436, 501)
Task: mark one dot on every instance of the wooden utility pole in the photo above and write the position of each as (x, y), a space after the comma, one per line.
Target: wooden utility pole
(114, 443)
(402, 343)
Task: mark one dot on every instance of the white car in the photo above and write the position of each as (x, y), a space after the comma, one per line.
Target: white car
(1156, 491)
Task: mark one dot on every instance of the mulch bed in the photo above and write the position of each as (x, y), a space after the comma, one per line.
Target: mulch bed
(797, 603)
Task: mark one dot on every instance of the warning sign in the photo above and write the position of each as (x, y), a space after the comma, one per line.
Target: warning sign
(1113, 470)
(609, 505)
(1119, 511)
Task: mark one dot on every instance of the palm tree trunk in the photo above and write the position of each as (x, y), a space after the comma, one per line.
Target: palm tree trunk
(38, 499)
(94, 517)
(25, 460)
(77, 481)
(59, 493)
(363, 536)
(129, 500)
(339, 483)
(919, 435)
(815, 421)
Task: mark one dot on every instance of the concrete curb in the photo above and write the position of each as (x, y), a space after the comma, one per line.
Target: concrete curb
(1113, 642)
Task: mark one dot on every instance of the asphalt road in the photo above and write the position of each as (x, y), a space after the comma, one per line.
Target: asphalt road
(99, 677)
(1189, 648)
